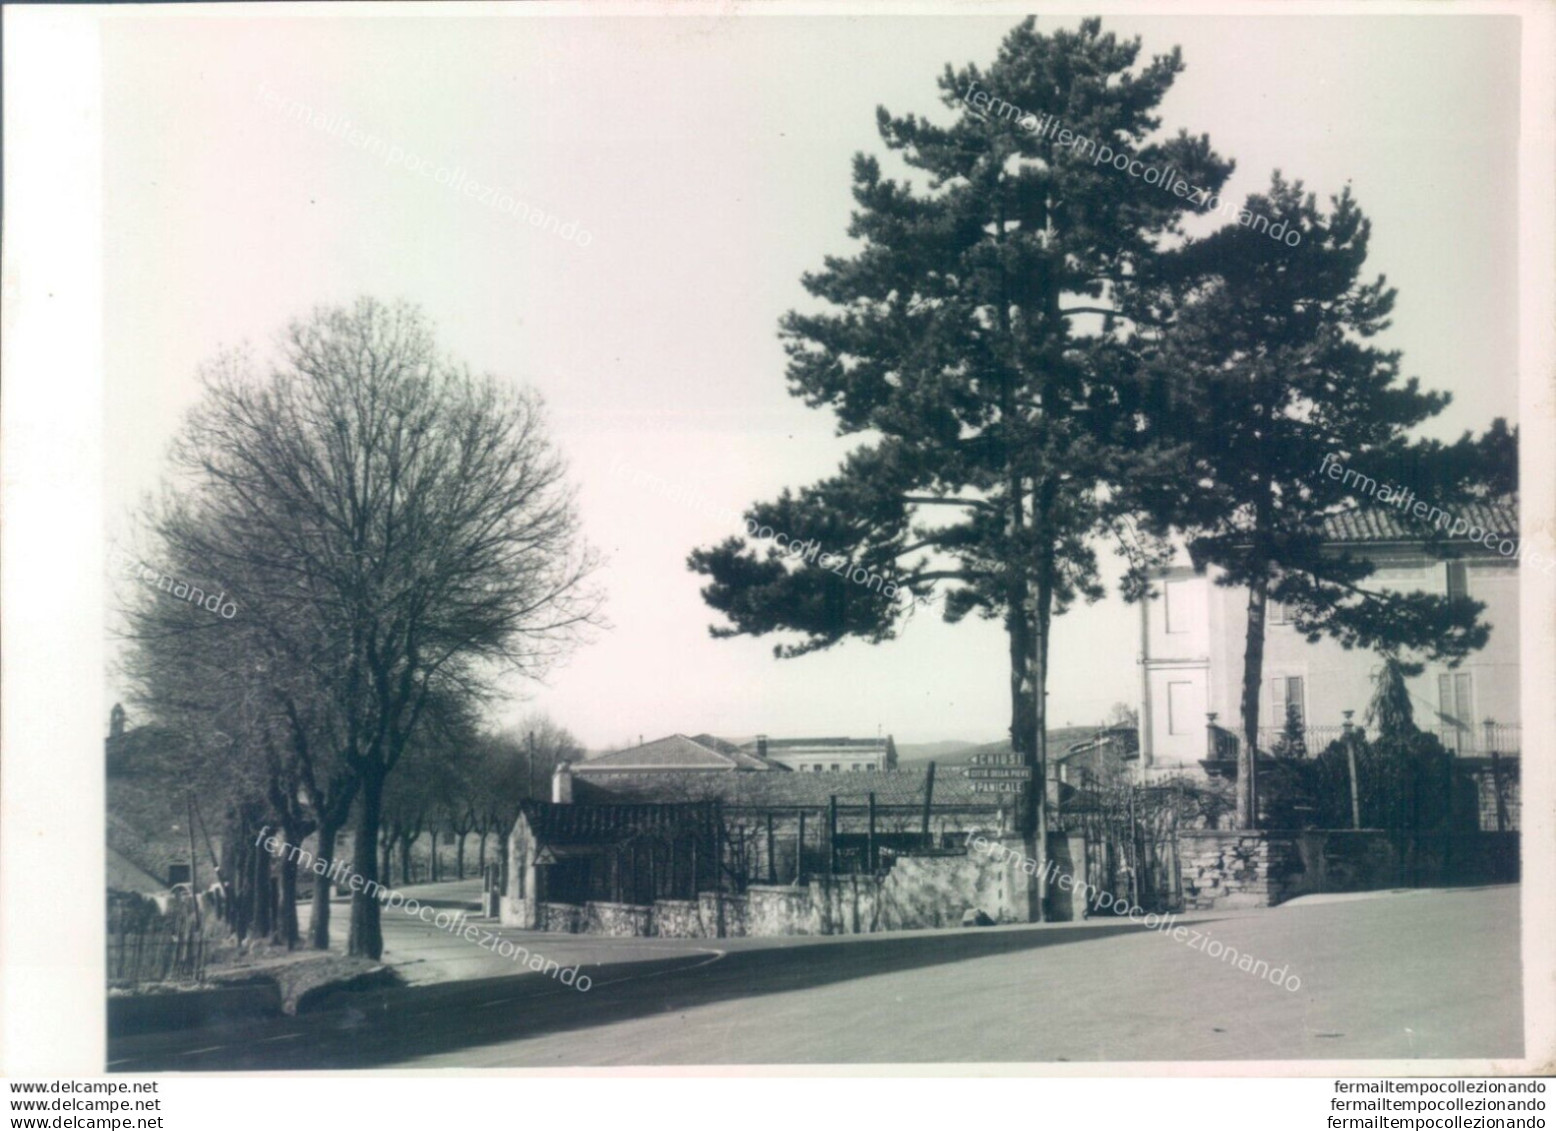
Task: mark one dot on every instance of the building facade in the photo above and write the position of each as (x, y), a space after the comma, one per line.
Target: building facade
(827, 755)
(1193, 634)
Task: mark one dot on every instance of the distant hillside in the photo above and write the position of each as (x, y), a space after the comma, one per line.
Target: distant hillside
(960, 753)
(924, 751)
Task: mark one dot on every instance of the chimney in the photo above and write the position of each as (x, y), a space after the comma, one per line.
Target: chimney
(761, 746)
(562, 785)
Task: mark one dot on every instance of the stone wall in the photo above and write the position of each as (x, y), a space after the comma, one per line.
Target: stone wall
(1238, 868)
(678, 919)
(1260, 869)
(620, 920)
(782, 911)
(916, 892)
(934, 891)
(563, 917)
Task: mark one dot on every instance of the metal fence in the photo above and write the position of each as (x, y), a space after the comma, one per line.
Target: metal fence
(142, 957)
(1486, 738)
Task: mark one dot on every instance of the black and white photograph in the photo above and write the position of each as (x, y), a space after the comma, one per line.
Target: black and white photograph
(716, 538)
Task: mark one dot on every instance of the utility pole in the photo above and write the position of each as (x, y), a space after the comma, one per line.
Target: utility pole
(194, 863)
(1350, 761)
(529, 760)
(929, 801)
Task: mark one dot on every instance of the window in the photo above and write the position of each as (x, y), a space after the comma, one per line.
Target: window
(834, 766)
(1174, 607)
(1185, 707)
(1458, 582)
(1287, 689)
(872, 767)
(856, 768)
(1456, 704)
(1183, 602)
(1279, 614)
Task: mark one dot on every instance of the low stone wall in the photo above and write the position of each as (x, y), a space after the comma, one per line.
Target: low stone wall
(620, 920)
(677, 919)
(916, 892)
(934, 891)
(790, 910)
(1238, 868)
(1244, 868)
(563, 917)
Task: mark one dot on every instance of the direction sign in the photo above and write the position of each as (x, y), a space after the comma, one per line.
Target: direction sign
(1000, 773)
(998, 786)
(997, 760)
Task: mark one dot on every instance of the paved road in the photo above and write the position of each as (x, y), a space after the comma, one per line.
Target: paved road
(1417, 974)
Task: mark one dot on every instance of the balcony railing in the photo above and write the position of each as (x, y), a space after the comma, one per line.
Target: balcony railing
(1470, 741)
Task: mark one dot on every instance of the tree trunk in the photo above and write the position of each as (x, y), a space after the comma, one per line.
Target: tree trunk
(319, 928)
(388, 853)
(1022, 729)
(1253, 674)
(432, 835)
(367, 938)
(286, 932)
(263, 902)
(405, 859)
(1027, 632)
(459, 856)
(236, 875)
(480, 860)
(1039, 786)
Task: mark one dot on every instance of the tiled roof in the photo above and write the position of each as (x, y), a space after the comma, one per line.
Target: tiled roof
(751, 760)
(123, 874)
(793, 744)
(776, 791)
(671, 753)
(603, 824)
(1382, 523)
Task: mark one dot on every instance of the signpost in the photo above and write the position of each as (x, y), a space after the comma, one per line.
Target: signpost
(998, 773)
(1013, 775)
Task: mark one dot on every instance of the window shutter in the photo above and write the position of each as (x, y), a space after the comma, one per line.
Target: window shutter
(1278, 702)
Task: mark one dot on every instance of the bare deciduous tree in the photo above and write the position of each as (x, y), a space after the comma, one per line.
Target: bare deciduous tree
(403, 530)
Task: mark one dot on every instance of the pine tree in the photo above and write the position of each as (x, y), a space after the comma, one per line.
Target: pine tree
(1390, 711)
(977, 337)
(1282, 413)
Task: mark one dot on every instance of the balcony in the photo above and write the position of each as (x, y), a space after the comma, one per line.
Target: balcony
(1477, 741)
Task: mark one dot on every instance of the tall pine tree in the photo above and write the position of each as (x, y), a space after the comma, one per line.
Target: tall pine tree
(976, 337)
(1266, 383)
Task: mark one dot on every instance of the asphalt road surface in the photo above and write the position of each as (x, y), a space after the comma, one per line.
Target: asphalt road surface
(1425, 974)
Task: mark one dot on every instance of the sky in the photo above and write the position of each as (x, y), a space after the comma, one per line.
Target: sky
(708, 161)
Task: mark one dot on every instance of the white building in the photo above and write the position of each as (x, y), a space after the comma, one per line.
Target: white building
(818, 755)
(1193, 632)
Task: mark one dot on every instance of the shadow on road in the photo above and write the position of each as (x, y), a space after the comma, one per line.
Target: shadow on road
(385, 1027)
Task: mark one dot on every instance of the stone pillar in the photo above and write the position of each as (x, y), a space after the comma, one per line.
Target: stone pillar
(562, 786)
(1068, 853)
